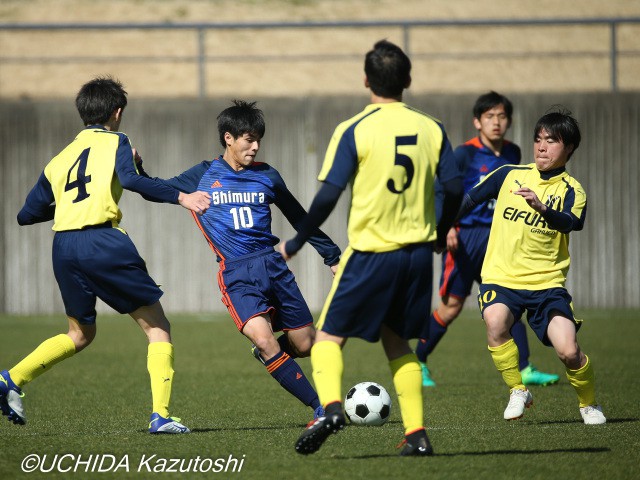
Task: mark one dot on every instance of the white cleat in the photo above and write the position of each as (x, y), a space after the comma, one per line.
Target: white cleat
(592, 415)
(518, 401)
(11, 400)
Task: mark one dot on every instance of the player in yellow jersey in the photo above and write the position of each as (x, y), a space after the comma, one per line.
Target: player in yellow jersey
(92, 256)
(527, 261)
(390, 153)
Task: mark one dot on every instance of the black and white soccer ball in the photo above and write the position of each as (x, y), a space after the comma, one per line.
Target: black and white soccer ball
(367, 403)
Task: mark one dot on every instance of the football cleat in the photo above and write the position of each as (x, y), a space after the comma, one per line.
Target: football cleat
(256, 353)
(416, 444)
(592, 415)
(532, 376)
(318, 431)
(427, 381)
(11, 400)
(518, 401)
(159, 424)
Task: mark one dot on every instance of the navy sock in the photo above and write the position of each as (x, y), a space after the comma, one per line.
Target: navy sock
(519, 334)
(289, 374)
(428, 344)
(421, 350)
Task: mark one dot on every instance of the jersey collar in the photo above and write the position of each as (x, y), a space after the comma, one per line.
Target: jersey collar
(552, 173)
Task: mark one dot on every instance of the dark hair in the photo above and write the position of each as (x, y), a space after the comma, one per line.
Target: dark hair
(560, 125)
(388, 69)
(98, 99)
(489, 100)
(243, 117)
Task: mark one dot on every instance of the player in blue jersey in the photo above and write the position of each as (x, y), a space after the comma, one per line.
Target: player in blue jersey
(467, 241)
(390, 153)
(258, 289)
(527, 261)
(92, 256)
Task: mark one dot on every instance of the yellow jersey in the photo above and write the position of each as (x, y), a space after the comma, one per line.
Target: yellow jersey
(390, 153)
(524, 251)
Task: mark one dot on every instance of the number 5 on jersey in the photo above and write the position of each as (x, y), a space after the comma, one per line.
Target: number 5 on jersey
(403, 161)
(81, 179)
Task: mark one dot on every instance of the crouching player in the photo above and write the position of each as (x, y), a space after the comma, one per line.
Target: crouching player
(527, 261)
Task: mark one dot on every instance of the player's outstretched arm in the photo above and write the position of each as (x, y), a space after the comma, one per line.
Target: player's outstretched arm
(39, 205)
(197, 202)
(323, 203)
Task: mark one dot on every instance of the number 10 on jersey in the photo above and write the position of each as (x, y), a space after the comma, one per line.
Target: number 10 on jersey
(241, 217)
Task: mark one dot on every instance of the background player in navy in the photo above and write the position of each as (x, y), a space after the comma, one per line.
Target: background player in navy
(92, 256)
(257, 287)
(467, 241)
(390, 153)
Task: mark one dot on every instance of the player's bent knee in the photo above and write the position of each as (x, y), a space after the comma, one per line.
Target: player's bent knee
(302, 347)
(266, 344)
(449, 309)
(571, 357)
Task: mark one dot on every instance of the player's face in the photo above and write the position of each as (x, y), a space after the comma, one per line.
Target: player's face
(549, 152)
(492, 124)
(241, 152)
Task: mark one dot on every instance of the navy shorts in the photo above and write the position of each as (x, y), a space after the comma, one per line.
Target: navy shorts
(260, 283)
(537, 303)
(102, 263)
(461, 269)
(372, 289)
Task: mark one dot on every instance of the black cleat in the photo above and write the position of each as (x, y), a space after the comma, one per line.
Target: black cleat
(318, 431)
(416, 444)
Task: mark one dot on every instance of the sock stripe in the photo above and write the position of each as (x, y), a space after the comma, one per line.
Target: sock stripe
(437, 318)
(272, 367)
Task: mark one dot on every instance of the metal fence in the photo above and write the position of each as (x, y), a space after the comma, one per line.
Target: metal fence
(608, 49)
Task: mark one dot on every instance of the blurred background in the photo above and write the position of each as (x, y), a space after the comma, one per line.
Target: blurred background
(183, 61)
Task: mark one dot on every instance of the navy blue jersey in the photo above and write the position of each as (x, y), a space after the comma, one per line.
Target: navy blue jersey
(238, 222)
(476, 161)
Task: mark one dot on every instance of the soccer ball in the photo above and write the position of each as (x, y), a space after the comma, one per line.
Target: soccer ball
(367, 403)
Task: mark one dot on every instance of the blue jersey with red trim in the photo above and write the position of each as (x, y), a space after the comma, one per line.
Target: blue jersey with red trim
(238, 222)
(476, 161)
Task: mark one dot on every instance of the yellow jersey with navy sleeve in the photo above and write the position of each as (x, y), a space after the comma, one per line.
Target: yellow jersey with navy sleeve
(83, 180)
(525, 250)
(81, 186)
(390, 153)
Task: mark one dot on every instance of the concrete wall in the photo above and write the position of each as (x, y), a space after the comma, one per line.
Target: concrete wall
(172, 135)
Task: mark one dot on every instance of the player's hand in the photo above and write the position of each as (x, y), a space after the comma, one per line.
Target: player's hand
(136, 156)
(452, 240)
(532, 199)
(334, 269)
(283, 252)
(197, 202)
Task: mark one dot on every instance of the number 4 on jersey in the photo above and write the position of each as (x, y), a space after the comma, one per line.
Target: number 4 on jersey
(81, 179)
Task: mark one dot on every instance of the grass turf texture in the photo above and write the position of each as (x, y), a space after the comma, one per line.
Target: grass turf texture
(98, 403)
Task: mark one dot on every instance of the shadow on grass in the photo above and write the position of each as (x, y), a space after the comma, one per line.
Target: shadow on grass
(609, 420)
(526, 452)
(489, 452)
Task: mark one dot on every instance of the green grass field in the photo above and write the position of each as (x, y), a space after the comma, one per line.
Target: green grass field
(97, 403)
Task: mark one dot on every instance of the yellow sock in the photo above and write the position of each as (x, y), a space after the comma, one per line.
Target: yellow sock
(326, 361)
(505, 357)
(584, 382)
(407, 379)
(45, 356)
(160, 367)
